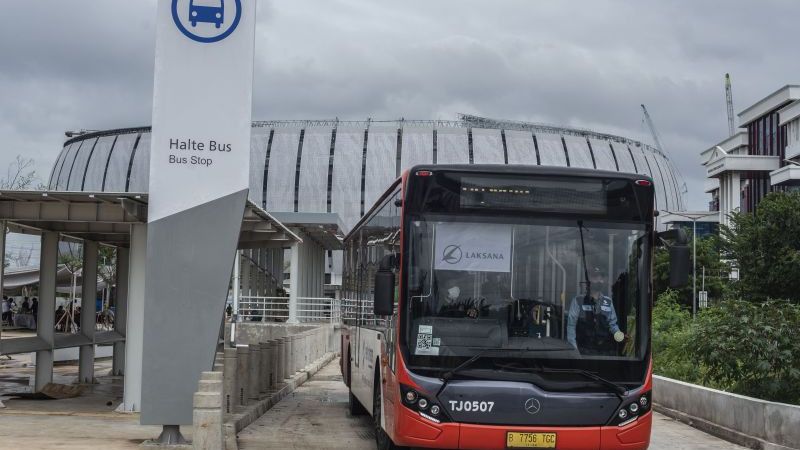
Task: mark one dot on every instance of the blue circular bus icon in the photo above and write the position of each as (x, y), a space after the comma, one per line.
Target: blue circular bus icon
(206, 21)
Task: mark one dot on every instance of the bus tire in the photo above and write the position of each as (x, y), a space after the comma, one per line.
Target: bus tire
(354, 407)
(382, 440)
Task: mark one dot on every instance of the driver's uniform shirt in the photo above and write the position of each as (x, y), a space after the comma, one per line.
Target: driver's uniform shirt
(591, 315)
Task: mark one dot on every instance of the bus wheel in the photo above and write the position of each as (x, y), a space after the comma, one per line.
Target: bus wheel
(354, 407)
(382, 440)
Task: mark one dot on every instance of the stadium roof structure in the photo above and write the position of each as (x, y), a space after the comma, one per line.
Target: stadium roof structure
(342, 167)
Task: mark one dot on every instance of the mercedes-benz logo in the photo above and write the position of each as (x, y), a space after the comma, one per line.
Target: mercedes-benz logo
(532, 406)
(452, 254)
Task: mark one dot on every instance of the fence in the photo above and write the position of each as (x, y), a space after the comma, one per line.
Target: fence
(309, 309)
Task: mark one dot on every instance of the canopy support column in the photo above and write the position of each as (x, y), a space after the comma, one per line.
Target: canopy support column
(45, 322)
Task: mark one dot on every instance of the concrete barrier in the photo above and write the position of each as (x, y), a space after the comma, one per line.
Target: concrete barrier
(229, 390)
(207, 416)
(255, 364)
(287, 357)
(263, 380)
(242, 374)
(745, 420)
(269, 376)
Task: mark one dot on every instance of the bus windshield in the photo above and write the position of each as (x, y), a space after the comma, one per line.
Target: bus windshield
(566, 293)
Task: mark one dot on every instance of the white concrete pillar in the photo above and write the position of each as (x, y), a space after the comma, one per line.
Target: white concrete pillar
(135, 324)
(121, 310)
(88, 312)
(243, 283)
(45, 322)
(736, 188)
(294, 282)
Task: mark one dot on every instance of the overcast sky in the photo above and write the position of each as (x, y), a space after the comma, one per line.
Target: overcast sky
(75, 64)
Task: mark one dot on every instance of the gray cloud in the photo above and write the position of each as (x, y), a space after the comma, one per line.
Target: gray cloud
(88, 64)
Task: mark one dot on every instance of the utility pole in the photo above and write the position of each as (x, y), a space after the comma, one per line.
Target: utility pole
(694, 217)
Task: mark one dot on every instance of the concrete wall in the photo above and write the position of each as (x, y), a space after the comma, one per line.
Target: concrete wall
(775, 423)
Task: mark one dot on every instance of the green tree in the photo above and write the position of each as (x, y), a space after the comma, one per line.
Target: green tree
(671, 325)
(748, 348)
(709, 255)
(766, 245)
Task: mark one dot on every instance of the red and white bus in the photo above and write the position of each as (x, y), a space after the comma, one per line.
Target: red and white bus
(505, 307)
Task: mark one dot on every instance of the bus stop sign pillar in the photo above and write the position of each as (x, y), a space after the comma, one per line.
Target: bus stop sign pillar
(198, 187)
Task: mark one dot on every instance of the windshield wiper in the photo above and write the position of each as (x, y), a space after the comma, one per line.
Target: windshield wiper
(616, 388)
(449, 374)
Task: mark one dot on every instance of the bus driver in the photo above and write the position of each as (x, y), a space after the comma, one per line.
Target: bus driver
(592, 322)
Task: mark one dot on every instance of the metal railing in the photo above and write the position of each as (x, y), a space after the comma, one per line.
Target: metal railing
(309, 309)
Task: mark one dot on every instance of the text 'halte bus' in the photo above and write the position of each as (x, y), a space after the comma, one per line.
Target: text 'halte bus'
(191, 144)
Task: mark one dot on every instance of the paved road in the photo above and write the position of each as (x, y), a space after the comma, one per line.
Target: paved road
(314, 416)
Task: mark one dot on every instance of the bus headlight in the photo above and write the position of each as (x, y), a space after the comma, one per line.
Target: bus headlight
(631, 409)
(423, 404)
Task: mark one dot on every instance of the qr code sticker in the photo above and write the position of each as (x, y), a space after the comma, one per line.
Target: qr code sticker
(425, 345)
(424, 341)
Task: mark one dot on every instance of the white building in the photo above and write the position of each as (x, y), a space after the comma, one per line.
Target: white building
(760, 159)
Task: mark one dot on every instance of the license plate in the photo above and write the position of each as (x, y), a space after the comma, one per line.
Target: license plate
(530, 440)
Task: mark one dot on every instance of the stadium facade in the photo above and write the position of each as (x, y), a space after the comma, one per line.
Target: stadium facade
(342, 167)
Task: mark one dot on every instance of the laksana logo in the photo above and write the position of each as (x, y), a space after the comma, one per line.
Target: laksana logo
(453, 254)
(206, 21)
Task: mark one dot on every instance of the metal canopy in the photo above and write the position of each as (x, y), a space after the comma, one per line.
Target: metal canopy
(106, 217)
(96, 216)
(261, 229)
(324, 228)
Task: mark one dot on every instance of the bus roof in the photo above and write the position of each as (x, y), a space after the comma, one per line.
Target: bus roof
(506, 169)
(520, 169)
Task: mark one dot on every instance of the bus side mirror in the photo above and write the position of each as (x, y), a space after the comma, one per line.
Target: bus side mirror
(383, 305)
(678, 266)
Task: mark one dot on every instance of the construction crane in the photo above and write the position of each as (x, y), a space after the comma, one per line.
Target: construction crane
(729, 101)
(652, 130)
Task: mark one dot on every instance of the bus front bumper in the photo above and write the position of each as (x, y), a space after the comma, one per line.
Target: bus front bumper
(415, 431)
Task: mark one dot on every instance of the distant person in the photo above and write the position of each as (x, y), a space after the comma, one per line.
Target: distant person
(26, 305)
(60, 324)
(6, 307)
(76, 318)
(229, 311)
(35, 307)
